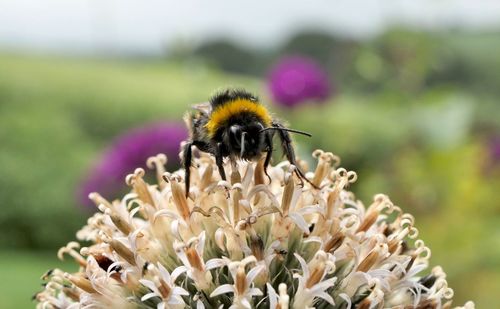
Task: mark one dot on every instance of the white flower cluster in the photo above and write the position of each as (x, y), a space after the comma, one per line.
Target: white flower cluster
(260, 240)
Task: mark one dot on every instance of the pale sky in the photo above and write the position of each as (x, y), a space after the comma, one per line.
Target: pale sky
(150, 26)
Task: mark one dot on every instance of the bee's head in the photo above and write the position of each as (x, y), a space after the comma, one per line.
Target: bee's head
(247, 140)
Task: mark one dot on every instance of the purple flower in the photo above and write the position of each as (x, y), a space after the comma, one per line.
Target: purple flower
(128, 152)
(296, 80)
(495, 149)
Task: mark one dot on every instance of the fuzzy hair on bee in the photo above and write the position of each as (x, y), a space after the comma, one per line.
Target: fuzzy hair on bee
(235, 125)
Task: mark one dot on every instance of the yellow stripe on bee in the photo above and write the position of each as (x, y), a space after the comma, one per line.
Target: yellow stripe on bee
(223, 112)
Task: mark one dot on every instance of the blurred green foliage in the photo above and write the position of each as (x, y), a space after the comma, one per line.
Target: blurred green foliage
(58, 115)
(21, 272)
(412, 118)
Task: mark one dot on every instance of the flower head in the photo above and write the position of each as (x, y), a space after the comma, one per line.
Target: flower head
(129, 151)
(252, 242)
(296, 80)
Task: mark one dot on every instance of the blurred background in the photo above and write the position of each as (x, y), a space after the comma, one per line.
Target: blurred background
(405, 92)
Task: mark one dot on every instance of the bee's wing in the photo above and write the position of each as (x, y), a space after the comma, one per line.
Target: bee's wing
(204, 107)
(199, 113)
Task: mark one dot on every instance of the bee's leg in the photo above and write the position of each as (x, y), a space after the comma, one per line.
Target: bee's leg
(269, 154)
(286, 143)
(186, 160)
(219, 161)
(220, 164)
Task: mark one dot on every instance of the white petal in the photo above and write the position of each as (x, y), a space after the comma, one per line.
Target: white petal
(253, 273)
(148, 296)
(326, 297)
(249, 259)
(311, 210)
(179, 291)
(149, 284)
(177, 272)
(255, 292)
(264, 189)
(302, 280)
(346, 297)
(273, 296)
(111, 267)
(323, 285)
(164, 273)
(133, 212)
(201, 243)
(379, 273)
(223, 289)
(303, 265)
(200, 305)
(299, 221)
(175, 300)
(166, 213)
(133, 239)
(174, 227)
(295, 197)
(415, 270)
(161, 305)
(215, 263)
(246, 303)
(400, 267)
(219, 238)
(181, 255)
(123, 275)
(313, 239)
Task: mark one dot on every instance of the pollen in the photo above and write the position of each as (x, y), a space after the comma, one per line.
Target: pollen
(224, 112)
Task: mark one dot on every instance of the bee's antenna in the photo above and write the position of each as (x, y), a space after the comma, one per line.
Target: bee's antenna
(286, 129)
(242, 151)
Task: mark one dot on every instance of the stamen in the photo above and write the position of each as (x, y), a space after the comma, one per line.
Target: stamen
(99, 200)
(287, 194)
(369, 260)
(323, 168)
(80, 282)
(194, 259)
(164, 288)
(180, 200)
(158, 163)
(140, 187)
(317, 269)
(370, 218)
(122, 250)
(257, 247)
(334, 242)
(70, 249)
(259, 173)
(241, 280)
(236, 195)
(119, 222)
(72, 293)
(206, 178)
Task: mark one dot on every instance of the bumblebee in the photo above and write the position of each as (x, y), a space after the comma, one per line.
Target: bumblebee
(235, 125)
